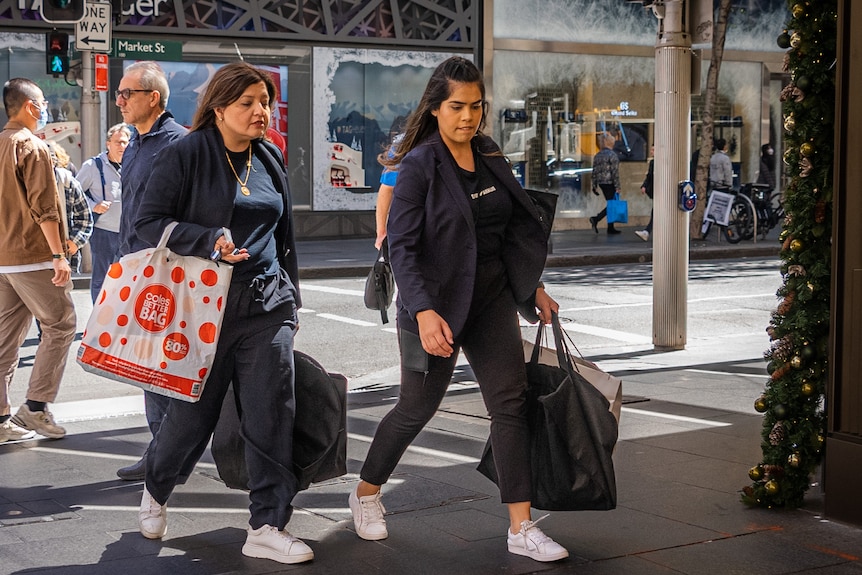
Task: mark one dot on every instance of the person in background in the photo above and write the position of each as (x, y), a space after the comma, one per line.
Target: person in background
(225, 175)
(467, 249)
(35, 277)
(384, 192)
(142, 99)
(79, 218)
(606, 177)
(100, 179)
(767, 166)
(64, 160)
(647, 188)
(720, 167)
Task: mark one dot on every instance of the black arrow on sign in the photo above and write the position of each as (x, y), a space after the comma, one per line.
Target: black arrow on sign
(86, 40)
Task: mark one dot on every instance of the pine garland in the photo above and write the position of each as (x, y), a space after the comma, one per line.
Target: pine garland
(792, 402)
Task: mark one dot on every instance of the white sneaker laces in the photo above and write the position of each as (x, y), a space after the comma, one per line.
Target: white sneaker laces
(532, 533)
(372, 510)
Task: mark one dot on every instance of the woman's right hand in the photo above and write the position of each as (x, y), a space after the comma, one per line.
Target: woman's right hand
(228, 251)
(435, 333)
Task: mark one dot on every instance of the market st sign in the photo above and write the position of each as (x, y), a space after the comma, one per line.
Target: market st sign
(133, 8)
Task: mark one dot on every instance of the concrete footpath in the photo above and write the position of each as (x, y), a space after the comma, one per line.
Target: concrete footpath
(688, 435)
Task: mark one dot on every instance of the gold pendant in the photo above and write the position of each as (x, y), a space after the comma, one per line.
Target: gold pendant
(245, 191)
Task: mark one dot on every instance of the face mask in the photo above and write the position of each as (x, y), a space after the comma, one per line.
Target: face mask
(42, 120)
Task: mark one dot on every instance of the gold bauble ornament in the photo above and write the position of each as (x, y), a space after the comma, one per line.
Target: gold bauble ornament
(795, 362)
(795, 40)
(787, 157)
(796, 246)
(793, 460)
(798, 11)
(756, 473)
(807, 389)
(760, 404)
(806, 149)
(790, 123)
(771, 487)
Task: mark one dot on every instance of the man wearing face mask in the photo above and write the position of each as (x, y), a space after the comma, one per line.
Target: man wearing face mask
(35, 277)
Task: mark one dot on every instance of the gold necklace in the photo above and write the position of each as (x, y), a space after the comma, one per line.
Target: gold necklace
(242, 185)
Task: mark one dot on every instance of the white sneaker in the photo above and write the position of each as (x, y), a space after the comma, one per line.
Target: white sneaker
(270, 543)
(642, 234)
(531, 542)
(368, 516)
(152, 518)
(42, 422)
(11, 432)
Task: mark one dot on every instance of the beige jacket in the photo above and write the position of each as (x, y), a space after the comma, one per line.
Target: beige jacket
(28, 197)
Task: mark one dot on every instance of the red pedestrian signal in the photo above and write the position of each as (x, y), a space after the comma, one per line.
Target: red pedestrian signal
(62, 11)
(57, 53)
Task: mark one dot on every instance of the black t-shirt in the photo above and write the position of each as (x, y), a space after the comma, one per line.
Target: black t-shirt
(491, 206)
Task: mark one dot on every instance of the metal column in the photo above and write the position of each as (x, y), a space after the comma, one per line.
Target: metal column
(91, 130)
(672, 143)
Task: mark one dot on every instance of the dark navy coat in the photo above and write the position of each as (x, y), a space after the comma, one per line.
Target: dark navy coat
(432, 237)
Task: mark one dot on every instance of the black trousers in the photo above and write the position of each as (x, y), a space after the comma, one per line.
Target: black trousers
(608, 191)
(255, 351)
(491, 341)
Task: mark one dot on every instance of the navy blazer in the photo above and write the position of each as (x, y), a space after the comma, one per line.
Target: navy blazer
(432, 236)
(194, 185)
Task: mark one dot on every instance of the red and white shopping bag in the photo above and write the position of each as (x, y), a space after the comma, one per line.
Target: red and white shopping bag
(155, 324)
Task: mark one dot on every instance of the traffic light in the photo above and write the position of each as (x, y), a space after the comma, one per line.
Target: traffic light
(62, 11)
(57, 53)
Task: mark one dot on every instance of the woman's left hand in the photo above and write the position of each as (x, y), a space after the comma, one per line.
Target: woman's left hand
(546, 305)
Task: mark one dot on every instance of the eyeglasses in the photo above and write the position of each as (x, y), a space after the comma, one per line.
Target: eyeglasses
(127, 93)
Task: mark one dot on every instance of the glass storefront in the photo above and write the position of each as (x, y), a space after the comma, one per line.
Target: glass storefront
(564, 71)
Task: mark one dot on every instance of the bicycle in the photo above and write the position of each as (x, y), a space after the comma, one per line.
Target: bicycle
(754, 204)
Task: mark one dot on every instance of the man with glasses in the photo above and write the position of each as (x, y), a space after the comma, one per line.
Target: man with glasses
(35, 277)
(142, 98)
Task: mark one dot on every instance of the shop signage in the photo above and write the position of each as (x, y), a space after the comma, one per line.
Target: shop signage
(624, 110)
(148, 49)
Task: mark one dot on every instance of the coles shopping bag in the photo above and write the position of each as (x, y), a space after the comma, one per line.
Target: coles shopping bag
(155, 324)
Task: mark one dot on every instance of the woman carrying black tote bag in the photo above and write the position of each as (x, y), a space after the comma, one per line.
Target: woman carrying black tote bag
(572, 434)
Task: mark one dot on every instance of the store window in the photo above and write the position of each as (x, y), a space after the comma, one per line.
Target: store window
(550, 110)
(361, 98)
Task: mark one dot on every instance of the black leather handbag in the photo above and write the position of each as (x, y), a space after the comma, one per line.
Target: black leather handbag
(380, 284)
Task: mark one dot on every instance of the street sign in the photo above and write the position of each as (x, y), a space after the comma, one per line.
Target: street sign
(93, 32)
(101, 68)
(170, 50)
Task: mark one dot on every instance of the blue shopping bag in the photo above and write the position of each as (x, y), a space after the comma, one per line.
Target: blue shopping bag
(618, 211)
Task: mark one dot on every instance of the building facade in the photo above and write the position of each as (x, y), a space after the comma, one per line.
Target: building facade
(558, 73)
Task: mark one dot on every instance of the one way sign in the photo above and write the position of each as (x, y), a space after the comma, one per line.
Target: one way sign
(93, 32)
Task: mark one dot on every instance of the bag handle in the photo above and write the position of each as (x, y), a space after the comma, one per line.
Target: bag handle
(166, 235)
(560, 343)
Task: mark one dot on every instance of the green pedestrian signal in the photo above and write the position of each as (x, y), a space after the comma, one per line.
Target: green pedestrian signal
(57, 51)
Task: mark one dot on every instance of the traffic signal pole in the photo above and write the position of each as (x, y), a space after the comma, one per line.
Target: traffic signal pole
(91, 129)
(672, 143)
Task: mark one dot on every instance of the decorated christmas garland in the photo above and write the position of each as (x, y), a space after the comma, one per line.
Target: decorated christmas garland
(792, 402)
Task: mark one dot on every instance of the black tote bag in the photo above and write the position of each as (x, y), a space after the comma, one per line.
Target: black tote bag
(572, 436)
(319, 432)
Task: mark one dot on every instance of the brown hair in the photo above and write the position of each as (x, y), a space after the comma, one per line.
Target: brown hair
(422, 123)
(226, 87)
